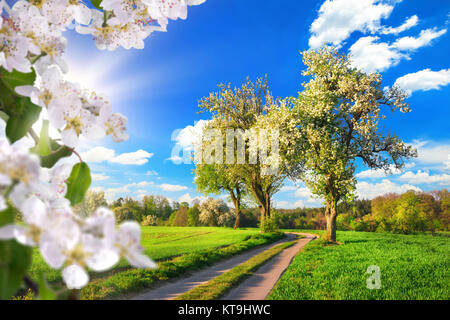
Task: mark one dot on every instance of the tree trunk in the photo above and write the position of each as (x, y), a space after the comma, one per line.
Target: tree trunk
(237, 206)
(330, 214)
(263, 198)
(265, 211)
(238, 219)
(263, 217)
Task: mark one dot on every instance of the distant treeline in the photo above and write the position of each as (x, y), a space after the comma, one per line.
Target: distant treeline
(400, 213)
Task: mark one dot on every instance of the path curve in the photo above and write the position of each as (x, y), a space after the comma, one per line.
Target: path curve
(173, 289)
(259, 285)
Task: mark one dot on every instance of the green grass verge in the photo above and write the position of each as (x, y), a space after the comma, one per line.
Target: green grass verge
(218, 286)
(412, 267)
(134, 280)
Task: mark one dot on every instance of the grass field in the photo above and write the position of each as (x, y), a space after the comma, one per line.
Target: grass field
(177, 251)
(412, 267)
(161, 243)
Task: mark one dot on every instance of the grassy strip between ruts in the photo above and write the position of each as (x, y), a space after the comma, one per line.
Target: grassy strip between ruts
(218, 286)
(134, 280)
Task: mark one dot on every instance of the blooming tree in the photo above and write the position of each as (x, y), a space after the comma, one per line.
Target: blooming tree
(32, 181)
(339, 114)
(261, 123)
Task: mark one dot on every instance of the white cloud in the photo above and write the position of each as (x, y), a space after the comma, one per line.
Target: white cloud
(369, 191)
(139, 157)
(185, 141)
(187, 137)
(172, 187)
(424, 80)
(97, 189)
(379, 173)
(289, 204)
(143, 184)
(409, 23)
(126, 189)
(369, 55)
(288, 188)
(425, 177)
(432, 153)
(187, 198)
(98, 154)
(339, 18)
(99, 177)
(424, 39)
(151, 173)
(101, 154)
(303, 193)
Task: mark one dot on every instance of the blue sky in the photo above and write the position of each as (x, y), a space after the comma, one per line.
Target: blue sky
(223, 41)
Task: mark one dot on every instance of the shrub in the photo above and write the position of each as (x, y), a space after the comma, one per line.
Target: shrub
(149, 220)
(193, 216)
(270, 224)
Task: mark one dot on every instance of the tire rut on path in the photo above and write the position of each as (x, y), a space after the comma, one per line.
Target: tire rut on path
(259, 285)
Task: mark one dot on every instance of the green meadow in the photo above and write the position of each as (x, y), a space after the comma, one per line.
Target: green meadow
(162, 243)
(411, 267)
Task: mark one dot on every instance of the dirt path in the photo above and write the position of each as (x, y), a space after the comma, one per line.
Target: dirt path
(173, 289)
(259, 285)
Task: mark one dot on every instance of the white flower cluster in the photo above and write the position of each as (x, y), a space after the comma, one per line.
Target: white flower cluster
(126, 23)
(74, 111)
(31, 38)
(65, 240)
(31, 35)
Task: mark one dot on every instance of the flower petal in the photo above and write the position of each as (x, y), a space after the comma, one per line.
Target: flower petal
(75, 276)
(102, 260)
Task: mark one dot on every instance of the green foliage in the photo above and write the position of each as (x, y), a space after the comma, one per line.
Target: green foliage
(21, 112)
(413, 267)
(78, 183)
(15, 261)
(270, 224)
(123, 214)
(57, 152)
(149, 221)
(193, 216)
(21, 118)
(43, 147)
(45, 292)
(91, 202)
(96, 4)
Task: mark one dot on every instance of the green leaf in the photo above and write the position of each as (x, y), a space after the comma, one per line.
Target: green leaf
(78, 183)
(57, 152)
(45, 292)
(96, 4)
(4, 116)
(22, 116)
(43, 147)
(7, 95)
(15, 260)
(16, 78)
